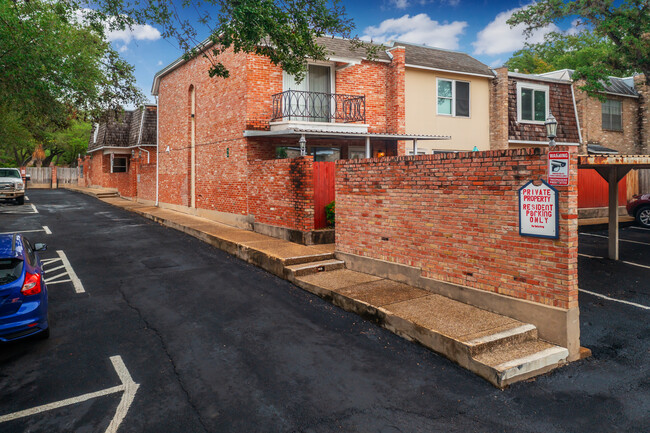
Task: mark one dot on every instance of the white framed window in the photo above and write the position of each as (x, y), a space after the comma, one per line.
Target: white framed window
(612, 115)
(452, 97)
(532, 103)
(119, 164)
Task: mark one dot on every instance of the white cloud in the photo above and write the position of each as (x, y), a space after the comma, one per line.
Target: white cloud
(496, 63)
(417, 29)
(139, 32)
(160, 63)
(123, 49)
(497, 37)
(400, 4)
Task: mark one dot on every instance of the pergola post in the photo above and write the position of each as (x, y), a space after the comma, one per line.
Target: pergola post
(415, 147)
(613, 212)
(368, 155)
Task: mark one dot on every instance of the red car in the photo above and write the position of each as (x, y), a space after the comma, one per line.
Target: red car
(639, 208)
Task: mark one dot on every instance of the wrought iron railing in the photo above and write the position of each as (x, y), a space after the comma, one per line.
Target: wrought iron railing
(318, 107)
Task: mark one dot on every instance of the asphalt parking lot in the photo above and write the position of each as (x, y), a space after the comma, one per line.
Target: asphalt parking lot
(154, 331)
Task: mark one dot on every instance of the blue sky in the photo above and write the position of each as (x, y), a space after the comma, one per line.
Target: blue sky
(476, 27)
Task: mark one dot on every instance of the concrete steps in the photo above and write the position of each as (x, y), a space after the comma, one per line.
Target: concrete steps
(303, 269)
(495, 347)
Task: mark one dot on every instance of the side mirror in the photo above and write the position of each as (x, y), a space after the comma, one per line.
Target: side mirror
(39, 246)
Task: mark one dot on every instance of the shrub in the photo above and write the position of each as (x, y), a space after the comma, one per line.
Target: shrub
(330, 214)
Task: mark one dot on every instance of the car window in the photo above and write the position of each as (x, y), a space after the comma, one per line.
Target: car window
(10, 270)
(5, 172)
(31, 258)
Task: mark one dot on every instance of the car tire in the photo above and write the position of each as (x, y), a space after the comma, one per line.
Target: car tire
(20, 200)
(643, 216)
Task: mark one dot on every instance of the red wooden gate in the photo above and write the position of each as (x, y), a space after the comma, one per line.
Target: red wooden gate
(593, 190)
(323, 191)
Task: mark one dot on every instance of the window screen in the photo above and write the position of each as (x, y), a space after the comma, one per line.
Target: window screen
(533, 104)
(462, 99)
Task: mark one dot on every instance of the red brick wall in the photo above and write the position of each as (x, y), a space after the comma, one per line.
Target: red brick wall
(281, 192)
(221, 156)
(455, 216)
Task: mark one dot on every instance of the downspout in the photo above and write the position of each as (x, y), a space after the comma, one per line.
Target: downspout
(575, 111)
(145, 150)
(157, 142)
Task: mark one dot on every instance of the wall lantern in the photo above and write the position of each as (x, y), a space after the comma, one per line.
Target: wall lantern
(551, 129)
(303, 145)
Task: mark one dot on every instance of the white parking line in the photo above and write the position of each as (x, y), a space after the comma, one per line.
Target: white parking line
(45, 229)
(622, 240)
(128, 386)
(69, 272)
(639, 228)
(622, 261)
(634, 304)
(34, 207)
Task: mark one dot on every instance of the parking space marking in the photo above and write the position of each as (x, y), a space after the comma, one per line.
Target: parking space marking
(69, 272)
(621, 261)
(639, 228)
(128, 386)
(45, 229)
(19, 210)
(622, 240)
(634, 304)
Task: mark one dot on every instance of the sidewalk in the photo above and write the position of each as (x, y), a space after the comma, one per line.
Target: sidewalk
(497, 348)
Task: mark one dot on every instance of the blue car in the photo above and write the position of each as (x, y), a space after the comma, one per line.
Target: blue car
(23, 294)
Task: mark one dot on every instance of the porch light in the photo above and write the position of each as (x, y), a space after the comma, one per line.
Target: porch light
(551, 129)
(303, 145)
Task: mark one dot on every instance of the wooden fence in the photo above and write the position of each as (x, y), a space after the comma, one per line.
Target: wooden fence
(41, 177)
(66, 175)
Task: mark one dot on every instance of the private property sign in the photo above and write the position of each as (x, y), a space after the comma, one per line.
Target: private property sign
(558, 168)
(538, 210)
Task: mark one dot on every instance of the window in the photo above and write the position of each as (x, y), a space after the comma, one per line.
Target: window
(612, 115)
(453, 98)
(356, 152)
(118, 164)
(532, 103)
(409, 152)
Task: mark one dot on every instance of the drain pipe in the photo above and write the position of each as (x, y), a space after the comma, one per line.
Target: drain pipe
(157, 142)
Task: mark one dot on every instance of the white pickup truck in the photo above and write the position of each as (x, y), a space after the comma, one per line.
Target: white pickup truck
(12, 186)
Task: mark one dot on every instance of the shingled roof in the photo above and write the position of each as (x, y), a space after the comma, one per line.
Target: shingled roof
(443, 60)
(129, 129)
(616, 86)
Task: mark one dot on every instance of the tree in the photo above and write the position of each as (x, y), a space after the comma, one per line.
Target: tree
(625, 25)
(283, 30)
(16, 141)
(563, 51)
(63, 147)
(54, 64)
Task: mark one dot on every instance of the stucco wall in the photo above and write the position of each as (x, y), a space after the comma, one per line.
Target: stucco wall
(421, 116)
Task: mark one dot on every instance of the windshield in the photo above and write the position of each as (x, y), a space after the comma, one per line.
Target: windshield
(9, 172)
(10, 270)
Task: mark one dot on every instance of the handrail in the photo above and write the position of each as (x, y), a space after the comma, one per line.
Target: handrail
(318, 107)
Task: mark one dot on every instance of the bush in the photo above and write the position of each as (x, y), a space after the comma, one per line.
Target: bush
(330, 214)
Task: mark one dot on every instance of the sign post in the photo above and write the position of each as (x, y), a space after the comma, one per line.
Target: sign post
(558, 168)
(538, 211)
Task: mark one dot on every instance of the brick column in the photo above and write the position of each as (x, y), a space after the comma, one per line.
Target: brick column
(53, 168)
(643, 143)
(396, 95)
(499, 110)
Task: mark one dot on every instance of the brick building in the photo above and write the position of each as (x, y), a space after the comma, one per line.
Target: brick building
(530, 99)
(230, 149)
(121, 151)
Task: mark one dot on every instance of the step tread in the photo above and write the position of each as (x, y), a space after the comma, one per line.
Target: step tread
(508, 356)
(513, 330)
(312, 265)
(300, 260)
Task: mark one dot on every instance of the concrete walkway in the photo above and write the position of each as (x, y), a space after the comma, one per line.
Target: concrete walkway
(497, 348)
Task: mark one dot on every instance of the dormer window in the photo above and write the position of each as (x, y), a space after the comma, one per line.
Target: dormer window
(532, 103)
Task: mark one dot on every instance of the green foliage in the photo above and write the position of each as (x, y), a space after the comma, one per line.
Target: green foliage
(64, 146)
(330, 214)
(617, 41)
(563, 51)
(16, 141)
(283, 30)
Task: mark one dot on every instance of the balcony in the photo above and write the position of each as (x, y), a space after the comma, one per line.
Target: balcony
(298, 108)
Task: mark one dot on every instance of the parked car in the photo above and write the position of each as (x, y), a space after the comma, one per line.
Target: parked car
(23, 293)
(12, 186)
(639, 208)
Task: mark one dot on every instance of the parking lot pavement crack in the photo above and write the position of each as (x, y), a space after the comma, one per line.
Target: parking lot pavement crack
(166, 350)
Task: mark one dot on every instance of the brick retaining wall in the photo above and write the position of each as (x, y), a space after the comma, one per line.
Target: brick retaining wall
(455, 216)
